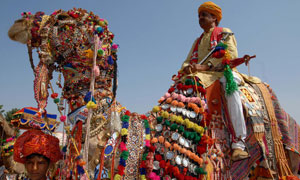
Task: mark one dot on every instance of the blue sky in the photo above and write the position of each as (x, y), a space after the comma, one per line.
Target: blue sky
(155, 37)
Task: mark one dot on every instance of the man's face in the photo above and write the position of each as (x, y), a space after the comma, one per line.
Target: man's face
(206, 20)
(37, 168)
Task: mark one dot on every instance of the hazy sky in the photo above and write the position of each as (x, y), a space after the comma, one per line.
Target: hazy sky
(155, 37)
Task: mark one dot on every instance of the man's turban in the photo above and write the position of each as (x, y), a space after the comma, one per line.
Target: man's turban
(211, 8)
(36, 142)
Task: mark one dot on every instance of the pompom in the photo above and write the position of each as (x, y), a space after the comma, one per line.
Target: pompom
(91, 105)
(117, 177)
(127, 113)
(161, 99)
(54, 95)
(162, 164)
(165, 114)
(63, 118)
(171, 90)
(96, 71)
(124, 132)
(56, 100)
(147, 143)
(155, 109)
(152, 148)
(167, 95)
(121, 170)
(152, 175)
(123, 146)
(122, 162)
(110, 60)
(80, 170)
(143, 116)
(174, 95)
(99, 29)
(115, 46)
(179, 86)
(100, 52)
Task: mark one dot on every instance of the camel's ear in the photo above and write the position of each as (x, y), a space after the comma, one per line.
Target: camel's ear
(20, 31)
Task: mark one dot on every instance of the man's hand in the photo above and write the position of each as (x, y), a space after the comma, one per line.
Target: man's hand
(218, 68)
(195, 68)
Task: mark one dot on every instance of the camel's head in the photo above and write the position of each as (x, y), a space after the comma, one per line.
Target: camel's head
(66, 43)
(71, 40)
(25, 30)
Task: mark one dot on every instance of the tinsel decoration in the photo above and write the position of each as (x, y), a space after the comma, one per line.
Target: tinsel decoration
(231, 85)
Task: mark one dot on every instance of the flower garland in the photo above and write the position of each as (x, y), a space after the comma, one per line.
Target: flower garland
(123, 149)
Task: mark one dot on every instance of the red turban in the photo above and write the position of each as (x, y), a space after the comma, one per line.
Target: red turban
(212, 8)
(36, 142)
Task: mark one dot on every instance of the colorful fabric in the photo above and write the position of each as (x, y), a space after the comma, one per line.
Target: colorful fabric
(211, 8)
(26, 118)
(241, 169)
(35, 141)
(289, 128)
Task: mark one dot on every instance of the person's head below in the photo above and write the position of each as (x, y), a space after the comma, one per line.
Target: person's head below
(209, 15)
(37, 151)
(37, 166)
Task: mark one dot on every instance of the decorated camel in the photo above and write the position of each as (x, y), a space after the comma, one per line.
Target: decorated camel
(186, 136)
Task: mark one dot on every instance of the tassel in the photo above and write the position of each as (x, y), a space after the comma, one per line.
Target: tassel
(231, 85)
(115, 122)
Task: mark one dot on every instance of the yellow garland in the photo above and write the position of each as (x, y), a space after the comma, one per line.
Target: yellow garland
(180, 120)
(173, 118)
(186, 122)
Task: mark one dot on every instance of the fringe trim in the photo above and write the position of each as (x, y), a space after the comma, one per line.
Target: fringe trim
(282, 163)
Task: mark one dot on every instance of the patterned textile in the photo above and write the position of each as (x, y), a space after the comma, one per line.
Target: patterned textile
(288, 126)
(35, 141)
(241, 169)
(134, 145)
(253, 106)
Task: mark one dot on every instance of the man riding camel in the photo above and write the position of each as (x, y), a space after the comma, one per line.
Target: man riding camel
(210, 16)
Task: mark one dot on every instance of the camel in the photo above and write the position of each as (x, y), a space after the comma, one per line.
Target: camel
(67, 43)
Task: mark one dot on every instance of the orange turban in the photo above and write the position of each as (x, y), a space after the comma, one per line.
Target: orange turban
(35, 141)
(211, 8)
